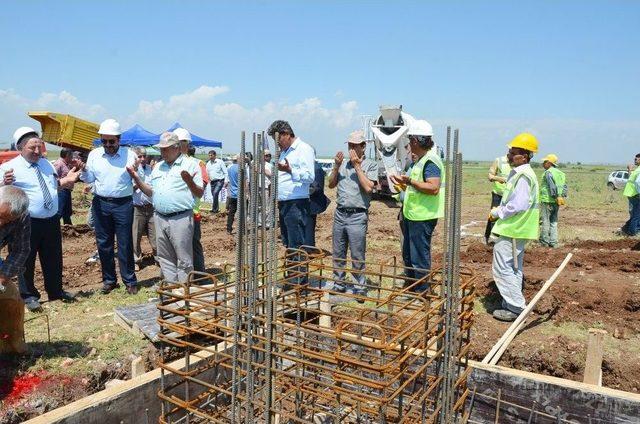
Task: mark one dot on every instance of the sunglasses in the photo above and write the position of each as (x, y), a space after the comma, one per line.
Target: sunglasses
(109, 142)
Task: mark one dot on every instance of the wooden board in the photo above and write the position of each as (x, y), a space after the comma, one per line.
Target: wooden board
(574, 401)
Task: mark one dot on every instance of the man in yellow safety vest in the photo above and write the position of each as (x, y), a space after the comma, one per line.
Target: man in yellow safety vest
(631, 190)
(423, 203)
(498, 173)
(517, 221)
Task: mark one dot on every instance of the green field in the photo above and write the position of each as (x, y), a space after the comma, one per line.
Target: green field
(587, 186)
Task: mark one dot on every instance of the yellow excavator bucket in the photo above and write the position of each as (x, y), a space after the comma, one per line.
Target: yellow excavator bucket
(66, 130)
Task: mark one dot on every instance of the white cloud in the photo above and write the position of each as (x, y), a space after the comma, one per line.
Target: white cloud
(14, 108)
(200, 111)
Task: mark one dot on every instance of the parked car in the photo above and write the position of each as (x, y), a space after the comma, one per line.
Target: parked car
(617, 180)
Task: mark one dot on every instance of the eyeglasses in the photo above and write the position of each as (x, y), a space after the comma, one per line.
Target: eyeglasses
(108, 142)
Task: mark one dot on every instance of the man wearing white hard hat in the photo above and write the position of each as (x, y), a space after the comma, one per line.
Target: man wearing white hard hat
(38, 179)
(188, 151)
(355, 180)
(112, 205)
(175, 185)
(423, 204)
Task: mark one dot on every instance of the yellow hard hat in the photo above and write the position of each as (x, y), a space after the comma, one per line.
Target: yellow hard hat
(551, 158)
(525, 141)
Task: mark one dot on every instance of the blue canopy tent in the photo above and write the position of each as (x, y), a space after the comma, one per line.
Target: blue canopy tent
(196, 140)
(135, 136)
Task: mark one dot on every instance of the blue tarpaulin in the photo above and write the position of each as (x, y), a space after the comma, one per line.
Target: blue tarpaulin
(196, 140)
(135, 136)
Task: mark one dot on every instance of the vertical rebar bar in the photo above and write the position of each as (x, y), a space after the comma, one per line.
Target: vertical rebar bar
(235, 373)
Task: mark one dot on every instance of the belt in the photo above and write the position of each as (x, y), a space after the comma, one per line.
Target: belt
(293, 200)
(115, 199)
(172, 214)
(352, 210)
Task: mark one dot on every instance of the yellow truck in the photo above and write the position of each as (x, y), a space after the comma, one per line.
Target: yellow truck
(66, 130)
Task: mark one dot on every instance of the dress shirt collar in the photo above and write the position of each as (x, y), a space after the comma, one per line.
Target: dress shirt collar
(295, 144)
(178, 160)
(115, 155)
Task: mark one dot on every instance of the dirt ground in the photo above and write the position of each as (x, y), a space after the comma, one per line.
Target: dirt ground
(600, 288)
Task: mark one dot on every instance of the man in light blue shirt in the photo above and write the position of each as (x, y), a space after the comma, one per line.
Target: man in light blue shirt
(38, 179)
(295, 174)
(217, 172)
(112, 205)
(176, 183)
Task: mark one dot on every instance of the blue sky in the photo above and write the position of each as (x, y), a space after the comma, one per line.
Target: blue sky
(568, 71)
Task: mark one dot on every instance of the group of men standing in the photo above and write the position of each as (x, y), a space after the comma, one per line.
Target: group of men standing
(130, 199)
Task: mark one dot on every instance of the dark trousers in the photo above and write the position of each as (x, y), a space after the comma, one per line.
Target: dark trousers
(46, 242)
(632, 226)
(216, 187)
(232, 207)
(495, 201)
(294, 217)
(114, 219)
(64, 206)
(310, 231)
(416, 248)
(198, 252)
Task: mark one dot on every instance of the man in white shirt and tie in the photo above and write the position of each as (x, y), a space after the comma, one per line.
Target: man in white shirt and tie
(37, 178)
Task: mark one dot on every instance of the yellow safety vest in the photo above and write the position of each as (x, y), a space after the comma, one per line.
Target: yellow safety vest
(418, 206)
(503, 171)
(523, 225)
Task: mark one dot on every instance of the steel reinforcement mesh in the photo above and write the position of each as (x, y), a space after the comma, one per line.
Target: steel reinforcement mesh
(283, 345)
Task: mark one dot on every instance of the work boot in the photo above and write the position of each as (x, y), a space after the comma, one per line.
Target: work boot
(109, 287)
(65, 296)
(133, 290)
(33, 306)
(504, 315)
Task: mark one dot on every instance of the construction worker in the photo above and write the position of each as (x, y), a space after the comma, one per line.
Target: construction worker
(553, 191)
(188, 151)
(631, 190)
(423, 203)
(176, 183)
(517, 221)
(498, 173)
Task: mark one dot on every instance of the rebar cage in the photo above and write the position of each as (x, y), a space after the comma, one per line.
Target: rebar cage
(293, 349)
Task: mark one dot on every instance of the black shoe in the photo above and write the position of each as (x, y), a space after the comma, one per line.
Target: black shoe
(108, 288)
(132, 289)
(33, 306)
(65, 297)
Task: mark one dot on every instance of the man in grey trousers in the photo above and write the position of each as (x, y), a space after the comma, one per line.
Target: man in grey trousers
(355, 180)
(176, 183)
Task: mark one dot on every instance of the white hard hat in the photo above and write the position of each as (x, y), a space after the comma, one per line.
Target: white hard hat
(420, 127)
(109, 127)
(20, 132)
(182, 134)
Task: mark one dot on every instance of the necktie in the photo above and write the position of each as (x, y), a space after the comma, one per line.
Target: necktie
(48, 201)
